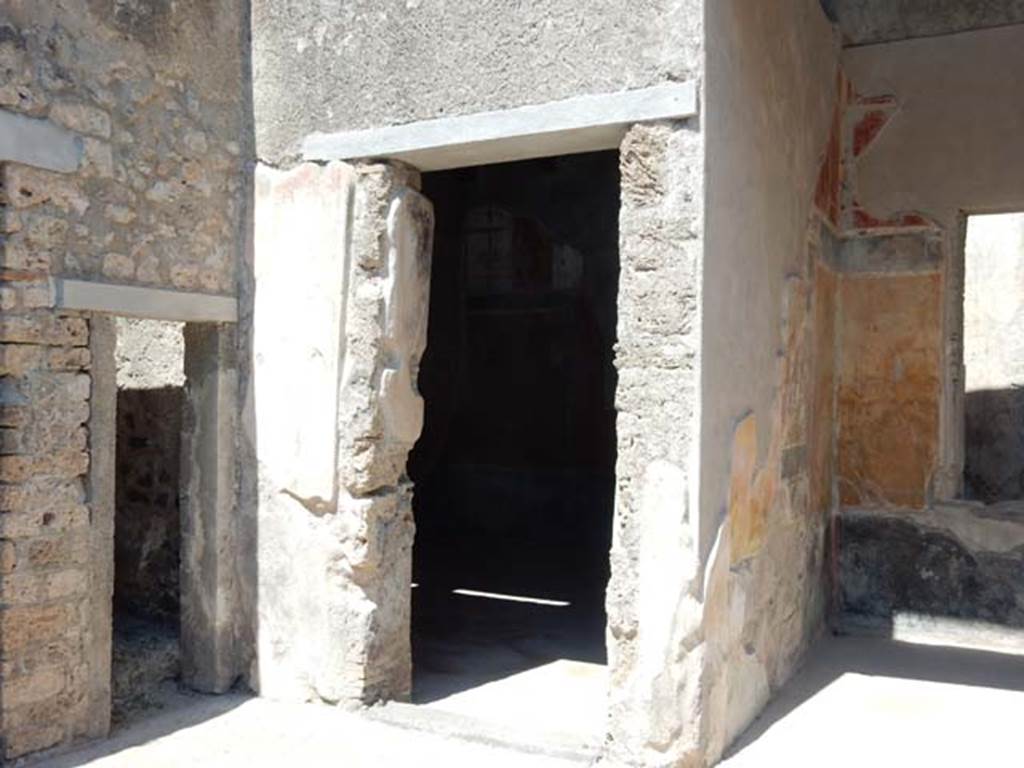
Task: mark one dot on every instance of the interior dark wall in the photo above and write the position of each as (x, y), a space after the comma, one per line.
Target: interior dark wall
(147, 533)
(994, 445)
(518, 374)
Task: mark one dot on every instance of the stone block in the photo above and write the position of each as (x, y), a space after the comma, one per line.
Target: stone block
(49, 519)
(40, 495)
(8, 556)
(52, 552)
(44, 328)
(29, 625)
(62, 464)
(81, 118)
(26, 187)
(19, 359)
(24, 741)
(36, 686)
(29, 587)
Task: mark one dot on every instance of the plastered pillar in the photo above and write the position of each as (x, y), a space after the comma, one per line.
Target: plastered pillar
(208, 509)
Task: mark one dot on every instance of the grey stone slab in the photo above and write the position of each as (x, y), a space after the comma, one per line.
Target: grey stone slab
(38, 142)
(578, 124)
(138, 301)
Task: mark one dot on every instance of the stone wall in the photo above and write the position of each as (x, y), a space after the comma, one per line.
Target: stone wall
(45, 536)
(157, 196)
(143, 184)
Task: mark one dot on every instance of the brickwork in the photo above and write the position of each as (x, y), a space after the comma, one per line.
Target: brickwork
(155, 200)
(44, 527)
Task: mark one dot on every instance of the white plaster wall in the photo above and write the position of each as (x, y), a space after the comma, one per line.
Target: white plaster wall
(956, 142)
(771, 79)
(994, 302)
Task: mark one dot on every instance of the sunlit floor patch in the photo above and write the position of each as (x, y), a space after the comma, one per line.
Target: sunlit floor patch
(511, 598)
(564, 695)
(871, 702)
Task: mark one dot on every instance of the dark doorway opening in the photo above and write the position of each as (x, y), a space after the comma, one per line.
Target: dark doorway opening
(515, 471)
(147, 530)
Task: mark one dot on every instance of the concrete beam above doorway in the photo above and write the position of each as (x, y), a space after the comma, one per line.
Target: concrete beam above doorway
(579, 124)
(142, 301)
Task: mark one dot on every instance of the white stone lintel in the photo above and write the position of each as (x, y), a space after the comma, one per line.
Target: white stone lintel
(140, 301)
(577, 124)
(39, 143)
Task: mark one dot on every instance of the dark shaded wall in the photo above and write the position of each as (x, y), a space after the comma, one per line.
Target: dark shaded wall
(867, 22)
(518, 376)
(147, 538)
(994, 440)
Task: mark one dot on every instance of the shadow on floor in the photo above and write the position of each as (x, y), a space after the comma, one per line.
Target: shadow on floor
(481, 615)
(835, 657)
(174, 710)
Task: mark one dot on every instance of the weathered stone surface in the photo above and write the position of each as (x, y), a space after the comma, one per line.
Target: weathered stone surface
(43, 328)
(654, 625)
(136, 123)
(346, 513)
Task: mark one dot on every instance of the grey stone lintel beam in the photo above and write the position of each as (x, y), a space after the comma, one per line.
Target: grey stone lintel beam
(139, 301)
(578, 124)
(39, 143)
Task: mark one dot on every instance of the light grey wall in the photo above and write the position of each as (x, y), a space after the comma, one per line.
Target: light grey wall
(955, 144)
(338, 65)
(770, 87)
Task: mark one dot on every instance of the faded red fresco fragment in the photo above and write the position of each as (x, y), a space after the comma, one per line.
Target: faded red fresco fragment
(864, 220)
(830, 176)
(867, 129)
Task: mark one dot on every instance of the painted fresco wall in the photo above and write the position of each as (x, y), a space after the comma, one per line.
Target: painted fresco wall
(768, 339)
